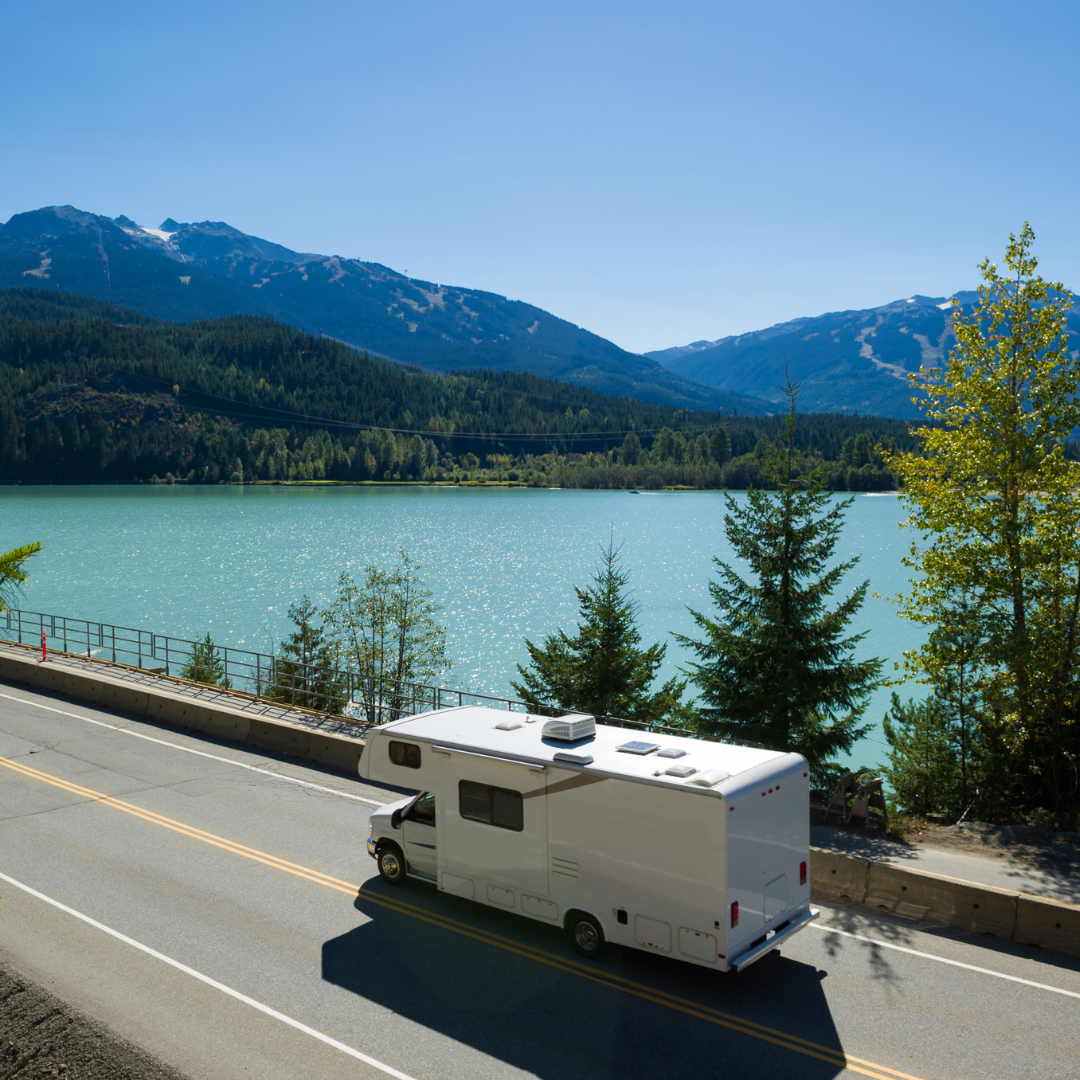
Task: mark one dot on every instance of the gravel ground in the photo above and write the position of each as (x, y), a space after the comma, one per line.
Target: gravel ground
(42, 1037)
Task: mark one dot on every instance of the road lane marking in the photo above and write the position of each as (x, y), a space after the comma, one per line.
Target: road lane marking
(648, 993)
(186, 830)
(197, 753)
(609, 980)
(389, 1070)
(943, 960)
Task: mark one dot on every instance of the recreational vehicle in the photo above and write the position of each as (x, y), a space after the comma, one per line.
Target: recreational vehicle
(694, 849)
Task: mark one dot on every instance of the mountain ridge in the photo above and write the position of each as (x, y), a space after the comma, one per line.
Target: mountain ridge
(189, 271)
(855, 360)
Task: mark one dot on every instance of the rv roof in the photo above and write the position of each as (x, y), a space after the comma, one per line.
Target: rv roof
(492, 731)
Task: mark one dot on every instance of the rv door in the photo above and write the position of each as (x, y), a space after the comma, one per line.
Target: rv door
(494, 820)
(418, 834)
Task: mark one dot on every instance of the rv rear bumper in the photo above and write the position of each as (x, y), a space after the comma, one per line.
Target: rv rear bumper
(756, 952)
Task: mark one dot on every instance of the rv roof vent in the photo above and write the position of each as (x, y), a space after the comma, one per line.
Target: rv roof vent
(574, 759)
(709, 778)
(507, 725)
(680, 770)
(570, 728)
(672, 751)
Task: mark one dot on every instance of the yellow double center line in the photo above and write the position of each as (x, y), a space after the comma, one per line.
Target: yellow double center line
(628, 986)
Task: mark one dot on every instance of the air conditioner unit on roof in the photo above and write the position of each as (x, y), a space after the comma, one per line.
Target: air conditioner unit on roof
(570, 728)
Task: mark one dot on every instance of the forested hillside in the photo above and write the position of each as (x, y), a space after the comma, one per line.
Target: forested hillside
(209, 269)
(91, 393)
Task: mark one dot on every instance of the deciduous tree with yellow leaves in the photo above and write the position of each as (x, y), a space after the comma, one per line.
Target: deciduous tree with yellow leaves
(994, 506)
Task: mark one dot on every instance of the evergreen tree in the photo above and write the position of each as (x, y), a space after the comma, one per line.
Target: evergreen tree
(304, 674)
(776, 666)
(946, 759)
(923, 773)
(602, 670)
(205, 664)
(720, 446)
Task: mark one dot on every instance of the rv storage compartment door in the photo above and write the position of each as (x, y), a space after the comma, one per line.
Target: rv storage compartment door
(495, 821)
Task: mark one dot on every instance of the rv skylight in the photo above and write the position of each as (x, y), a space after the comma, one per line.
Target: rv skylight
(638, 747)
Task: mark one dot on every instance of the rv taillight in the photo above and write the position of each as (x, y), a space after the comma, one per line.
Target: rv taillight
(802, 873)
(734, 913)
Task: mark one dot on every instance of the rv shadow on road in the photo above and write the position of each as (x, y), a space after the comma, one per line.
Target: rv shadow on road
(551, 1022)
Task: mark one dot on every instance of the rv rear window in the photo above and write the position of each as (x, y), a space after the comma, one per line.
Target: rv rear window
(407, 754)
(491, 805)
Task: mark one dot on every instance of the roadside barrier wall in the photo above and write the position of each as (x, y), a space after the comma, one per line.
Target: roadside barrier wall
(933, 898)
(339, 751)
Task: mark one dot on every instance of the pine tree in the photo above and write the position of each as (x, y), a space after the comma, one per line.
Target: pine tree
(602, 670)
(205, 664)
(303, 674)
(776, 666)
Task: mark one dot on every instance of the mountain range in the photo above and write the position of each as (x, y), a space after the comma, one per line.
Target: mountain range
(855, 361)
(846, 361)
(185, 272)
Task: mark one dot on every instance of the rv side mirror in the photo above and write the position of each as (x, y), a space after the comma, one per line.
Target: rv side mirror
(395, 819)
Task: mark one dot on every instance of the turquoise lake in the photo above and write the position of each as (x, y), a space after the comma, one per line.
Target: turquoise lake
(502, 562)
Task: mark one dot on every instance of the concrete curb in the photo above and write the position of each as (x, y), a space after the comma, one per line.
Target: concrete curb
(339, 751)
(944, 901)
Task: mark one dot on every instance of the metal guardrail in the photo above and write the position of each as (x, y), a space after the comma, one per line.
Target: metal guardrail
(362, 698)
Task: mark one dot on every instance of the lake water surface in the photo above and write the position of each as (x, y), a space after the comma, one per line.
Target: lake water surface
(502, 562)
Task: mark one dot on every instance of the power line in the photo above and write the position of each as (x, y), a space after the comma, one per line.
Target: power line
(327, 422)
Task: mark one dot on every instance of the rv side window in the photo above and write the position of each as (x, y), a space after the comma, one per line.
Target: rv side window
(407, 754)
(491, 805)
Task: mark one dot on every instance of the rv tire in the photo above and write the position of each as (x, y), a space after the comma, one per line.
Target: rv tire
(391, 863)
(586, 934)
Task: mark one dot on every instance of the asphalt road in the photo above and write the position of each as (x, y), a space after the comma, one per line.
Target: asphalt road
(229, 920)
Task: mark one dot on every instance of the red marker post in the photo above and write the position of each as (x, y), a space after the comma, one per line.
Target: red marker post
(43, 646)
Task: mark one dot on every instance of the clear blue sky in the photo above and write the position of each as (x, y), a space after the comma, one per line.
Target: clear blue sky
(655, 172)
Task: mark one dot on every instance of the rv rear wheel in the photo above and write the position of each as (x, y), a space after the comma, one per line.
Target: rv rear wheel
(587, 935)
(391, 864)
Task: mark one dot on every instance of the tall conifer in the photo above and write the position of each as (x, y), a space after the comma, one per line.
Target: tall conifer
(776, 665)
(601, 669)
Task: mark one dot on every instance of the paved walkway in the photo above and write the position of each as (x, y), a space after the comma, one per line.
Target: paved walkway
(1042, 870)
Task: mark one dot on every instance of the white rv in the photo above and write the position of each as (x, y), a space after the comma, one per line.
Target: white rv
(695, 849)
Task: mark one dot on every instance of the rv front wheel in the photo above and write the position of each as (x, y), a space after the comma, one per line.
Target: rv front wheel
(391, 864)
(587, 935)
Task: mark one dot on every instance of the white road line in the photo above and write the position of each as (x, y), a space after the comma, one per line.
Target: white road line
(197, 753)
(943, 960)
(210, 982)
